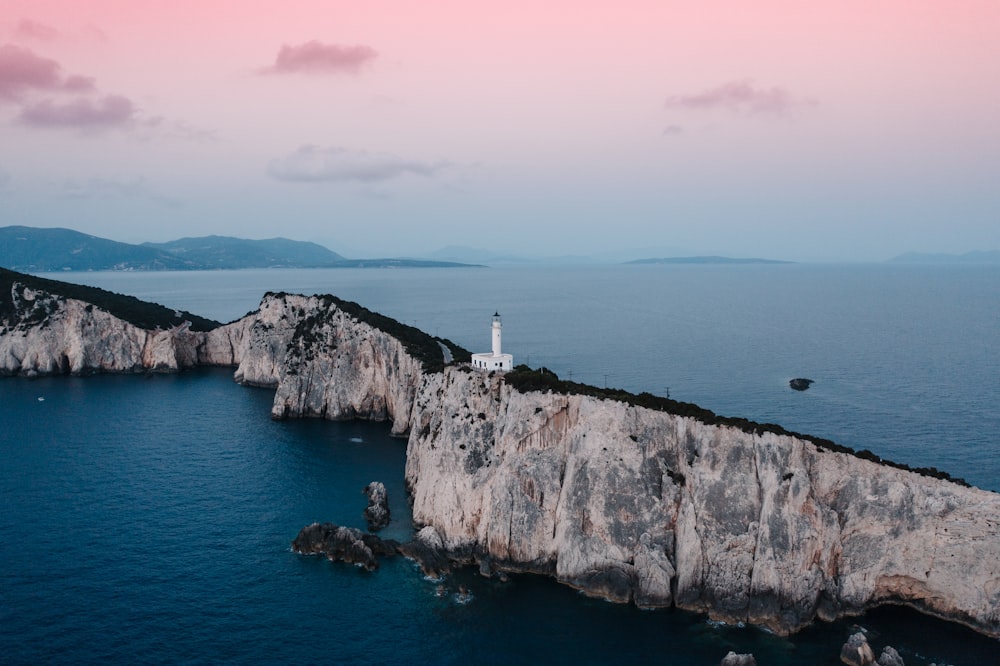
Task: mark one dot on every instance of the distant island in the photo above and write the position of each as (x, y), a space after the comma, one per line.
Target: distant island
(979, 257)
(707, 260)
(39, 250)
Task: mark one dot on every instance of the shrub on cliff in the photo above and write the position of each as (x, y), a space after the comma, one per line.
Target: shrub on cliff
(423, 347)
(525, 379)
(127, 308)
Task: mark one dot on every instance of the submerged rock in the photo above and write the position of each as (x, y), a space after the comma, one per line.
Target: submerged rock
(733, 659)
(377, 511)
(800, 383)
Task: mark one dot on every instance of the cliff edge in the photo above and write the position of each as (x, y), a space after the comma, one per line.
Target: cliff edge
(635, 504)
(746, 523)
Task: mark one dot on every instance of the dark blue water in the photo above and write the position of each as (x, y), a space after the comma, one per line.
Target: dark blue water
(149, 518)
(906, 359)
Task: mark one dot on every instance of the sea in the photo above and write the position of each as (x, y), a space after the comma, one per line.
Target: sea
(148, 518)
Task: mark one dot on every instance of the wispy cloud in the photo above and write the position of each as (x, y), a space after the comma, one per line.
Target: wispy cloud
(741, 97)
(49, 98)
(314, 57)
(111, 188)
(316, 164)
(82, 113)
(29, 29)
(23, 71)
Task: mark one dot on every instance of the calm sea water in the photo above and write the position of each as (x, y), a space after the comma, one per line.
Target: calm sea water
(149, 518)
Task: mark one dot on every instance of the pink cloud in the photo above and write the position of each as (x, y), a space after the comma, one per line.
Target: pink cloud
(317, 58)
(21, 70)
(79, 84)
(107, 112)
(739, 97)
(28, 29)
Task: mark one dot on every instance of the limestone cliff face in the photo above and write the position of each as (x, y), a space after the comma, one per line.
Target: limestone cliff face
(621, 501)
(337, 367)
(48, 334)
(635, 504)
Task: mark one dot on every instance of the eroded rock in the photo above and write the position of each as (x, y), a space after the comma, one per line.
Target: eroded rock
(377, 511)
(890, 657)
(856, 651)
(343, 544)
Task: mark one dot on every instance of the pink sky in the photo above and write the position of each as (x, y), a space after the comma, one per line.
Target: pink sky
(800, 130)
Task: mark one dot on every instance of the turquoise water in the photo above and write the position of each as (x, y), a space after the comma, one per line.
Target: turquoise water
(149, 518)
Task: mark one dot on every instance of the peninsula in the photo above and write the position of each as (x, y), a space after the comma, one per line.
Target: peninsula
(632, 498)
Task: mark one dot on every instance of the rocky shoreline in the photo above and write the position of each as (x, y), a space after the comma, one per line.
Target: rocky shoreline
(622, 501)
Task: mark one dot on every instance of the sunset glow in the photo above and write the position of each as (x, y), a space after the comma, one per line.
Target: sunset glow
(821, 130)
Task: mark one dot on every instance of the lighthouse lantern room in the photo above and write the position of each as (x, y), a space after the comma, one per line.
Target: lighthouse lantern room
(495, 360)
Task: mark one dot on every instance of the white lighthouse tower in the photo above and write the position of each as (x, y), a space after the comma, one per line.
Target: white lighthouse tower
(495, 360)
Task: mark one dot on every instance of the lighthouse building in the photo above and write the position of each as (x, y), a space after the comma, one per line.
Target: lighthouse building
(495, 360)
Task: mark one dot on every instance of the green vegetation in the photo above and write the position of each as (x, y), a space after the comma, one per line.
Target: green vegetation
(128, 308)
(423, 347)
(525, 379)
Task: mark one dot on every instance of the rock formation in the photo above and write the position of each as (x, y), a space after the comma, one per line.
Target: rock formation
(857, 652)
(49, 334)
(634, 504)
(890, 657)
(733, 659)
(627, 502)
(800, 383)
(377, 511)
(343, 544)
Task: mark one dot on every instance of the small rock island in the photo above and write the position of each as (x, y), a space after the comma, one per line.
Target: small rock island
(633, 498)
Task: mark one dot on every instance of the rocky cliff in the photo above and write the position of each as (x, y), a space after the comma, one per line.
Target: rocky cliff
(635, 504)
(43, 333)
(626, 502)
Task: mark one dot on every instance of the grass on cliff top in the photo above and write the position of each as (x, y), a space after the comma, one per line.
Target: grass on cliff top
(525, 379)
(421, 346)
(128, 308)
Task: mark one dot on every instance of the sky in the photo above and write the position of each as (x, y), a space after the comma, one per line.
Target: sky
(812, 131)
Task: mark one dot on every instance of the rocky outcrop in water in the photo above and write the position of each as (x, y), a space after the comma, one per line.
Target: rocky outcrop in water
(377, 512)
(733, 659)
(890, 657)
(857, 652)
(343, 544)
(622, 501)
(800, 383)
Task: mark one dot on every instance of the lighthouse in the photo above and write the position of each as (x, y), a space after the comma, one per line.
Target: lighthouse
(496, 359)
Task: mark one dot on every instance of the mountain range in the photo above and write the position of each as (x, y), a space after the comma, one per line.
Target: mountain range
(35, 249)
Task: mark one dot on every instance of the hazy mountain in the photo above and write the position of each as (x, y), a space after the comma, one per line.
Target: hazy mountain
(38, 250)
(707, 260)
(32, 249)
(225, 252)
(980, 257)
